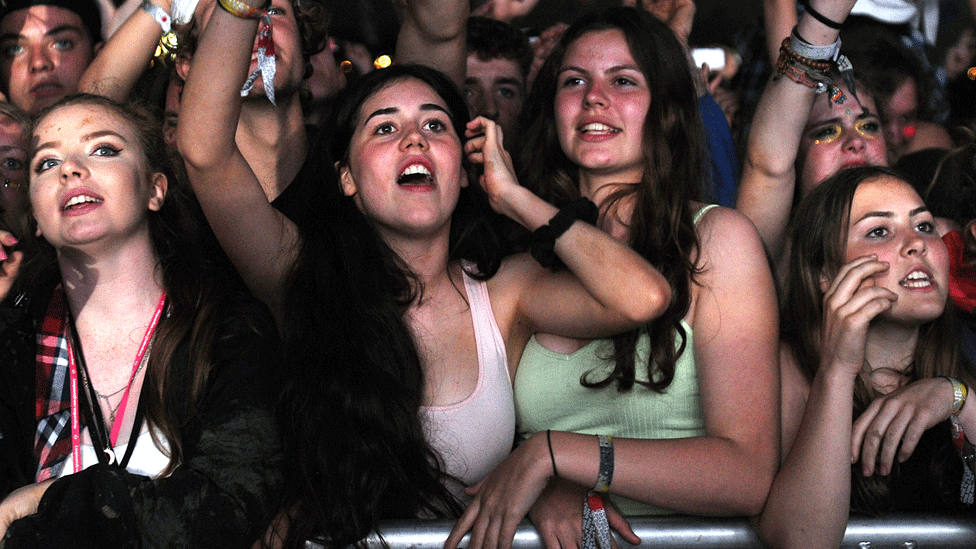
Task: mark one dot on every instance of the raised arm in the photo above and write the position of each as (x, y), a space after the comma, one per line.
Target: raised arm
(260, 241)
(433, 34)
(809, 502)
(126, 54)
(768, 182)
(779, 17)
(727, 471)
(608, 287)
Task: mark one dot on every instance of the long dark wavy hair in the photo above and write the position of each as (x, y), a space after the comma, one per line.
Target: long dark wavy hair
(818, 241)
(662, 225)
(351, 410)
(203, 291)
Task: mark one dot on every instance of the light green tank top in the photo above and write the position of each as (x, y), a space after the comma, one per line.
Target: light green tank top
(548, 395)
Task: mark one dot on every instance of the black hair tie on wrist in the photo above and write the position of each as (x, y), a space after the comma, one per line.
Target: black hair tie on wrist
(821, 17)
(544, 238)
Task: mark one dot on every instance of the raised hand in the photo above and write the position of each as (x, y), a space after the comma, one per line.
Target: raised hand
(851, 302)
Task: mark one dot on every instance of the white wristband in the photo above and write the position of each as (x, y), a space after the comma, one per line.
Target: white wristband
(159, 14)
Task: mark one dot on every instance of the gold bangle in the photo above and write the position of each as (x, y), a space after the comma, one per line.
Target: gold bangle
(243, 10)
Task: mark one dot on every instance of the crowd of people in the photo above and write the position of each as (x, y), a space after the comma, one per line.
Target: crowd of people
(256, 289)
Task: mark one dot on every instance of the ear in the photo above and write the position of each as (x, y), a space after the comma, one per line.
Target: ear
(465, 180)
(183, 66)
(158, 192)
(346, 182)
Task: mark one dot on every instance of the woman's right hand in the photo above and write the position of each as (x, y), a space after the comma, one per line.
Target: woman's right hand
(851, 302)
(9, 263)
(558, 516)
(485, 146)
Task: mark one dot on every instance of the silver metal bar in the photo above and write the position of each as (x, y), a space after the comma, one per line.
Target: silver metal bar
(680, 532)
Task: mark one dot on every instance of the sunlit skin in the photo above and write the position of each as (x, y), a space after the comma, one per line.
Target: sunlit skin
(405, 127)
(824, 150)
(602, 99)
(888, 219)
(89, 155)
(44, 50)
(13, 176)
(495, 89)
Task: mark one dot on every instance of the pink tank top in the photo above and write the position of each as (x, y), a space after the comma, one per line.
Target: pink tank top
(474, 435)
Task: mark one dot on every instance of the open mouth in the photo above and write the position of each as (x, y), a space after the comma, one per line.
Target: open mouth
(916, 279)
(415, 174)
(80, 200)
(597, 128)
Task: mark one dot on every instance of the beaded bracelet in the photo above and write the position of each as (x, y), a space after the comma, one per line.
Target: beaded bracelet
(544, 238)
(241, 9)
(787, 51)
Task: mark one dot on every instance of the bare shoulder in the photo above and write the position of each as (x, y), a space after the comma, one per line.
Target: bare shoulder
(728, 235)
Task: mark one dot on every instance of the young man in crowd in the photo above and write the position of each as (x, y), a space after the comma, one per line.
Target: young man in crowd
(45, 47)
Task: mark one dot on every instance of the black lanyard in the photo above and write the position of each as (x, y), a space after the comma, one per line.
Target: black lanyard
(93, 412)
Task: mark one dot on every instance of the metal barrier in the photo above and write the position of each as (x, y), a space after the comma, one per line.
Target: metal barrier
(890, 532)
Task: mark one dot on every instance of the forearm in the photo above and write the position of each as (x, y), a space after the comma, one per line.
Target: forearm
(211, 102)
(769, 176)
(705, 475)
(626, 287)
(125, 56)
(809, 503)
(779, 17)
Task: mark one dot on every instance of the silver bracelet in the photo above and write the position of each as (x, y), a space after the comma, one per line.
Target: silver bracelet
(605, 476)
(159, 14)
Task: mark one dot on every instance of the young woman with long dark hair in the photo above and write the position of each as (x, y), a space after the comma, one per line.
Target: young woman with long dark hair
(871, 371)
(691, 394)
(402, 321)
(177, 446)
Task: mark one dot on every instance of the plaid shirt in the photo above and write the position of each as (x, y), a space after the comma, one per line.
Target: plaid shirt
(52, 442)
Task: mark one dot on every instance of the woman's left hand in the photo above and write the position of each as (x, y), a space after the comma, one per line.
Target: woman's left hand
(893, 423)
(503, 498)
(485, 146)
(21, 503)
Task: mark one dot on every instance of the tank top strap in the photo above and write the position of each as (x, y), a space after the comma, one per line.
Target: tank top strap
(701, 213)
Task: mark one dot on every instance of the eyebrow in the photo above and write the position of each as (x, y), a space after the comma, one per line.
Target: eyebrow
(56, 30)
(393, 110)
(87, 137)
(838, 120)
(913, 213)
(613, 69)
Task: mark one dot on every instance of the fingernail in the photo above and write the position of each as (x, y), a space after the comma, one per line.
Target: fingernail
(3, 255)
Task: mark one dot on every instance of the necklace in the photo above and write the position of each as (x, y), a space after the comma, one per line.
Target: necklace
(113, 410)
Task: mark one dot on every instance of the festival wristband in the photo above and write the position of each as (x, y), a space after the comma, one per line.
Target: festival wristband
(159, 14)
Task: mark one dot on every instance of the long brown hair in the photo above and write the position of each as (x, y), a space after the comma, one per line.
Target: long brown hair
(662, 227)
(818, 238)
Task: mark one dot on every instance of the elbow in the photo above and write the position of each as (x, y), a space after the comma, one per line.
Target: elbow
(654, 303)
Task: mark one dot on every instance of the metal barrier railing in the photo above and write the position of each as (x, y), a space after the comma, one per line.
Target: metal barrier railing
(681, 532)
